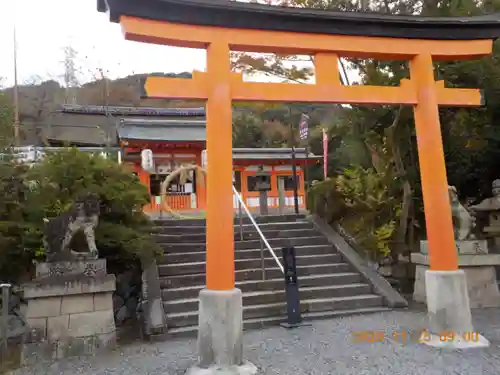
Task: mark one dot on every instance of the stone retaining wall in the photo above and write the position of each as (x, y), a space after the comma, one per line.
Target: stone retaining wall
(70, 314)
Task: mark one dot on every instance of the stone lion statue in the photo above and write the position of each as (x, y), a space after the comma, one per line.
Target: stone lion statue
(83, 216)
(463, 221)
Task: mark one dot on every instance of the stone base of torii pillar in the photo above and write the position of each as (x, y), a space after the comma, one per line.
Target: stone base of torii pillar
(220, 335)
(449, 313)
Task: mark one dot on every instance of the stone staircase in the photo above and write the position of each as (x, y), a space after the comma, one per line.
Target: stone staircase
(328, 285)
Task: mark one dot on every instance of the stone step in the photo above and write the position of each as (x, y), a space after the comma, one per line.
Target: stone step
(251, 234)
(253, 274)
(244, 264)
(190, 318)
(193, 229)
(328, 286)
(276, 296)
(250, 324)
(184, 292)
(187, 257)
(244, 245)
(202, 222)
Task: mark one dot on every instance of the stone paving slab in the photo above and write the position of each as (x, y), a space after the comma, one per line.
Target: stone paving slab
(326, 347)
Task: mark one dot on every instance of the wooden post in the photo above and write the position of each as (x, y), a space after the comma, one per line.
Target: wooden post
(220, 216)
(281, 195)
(263, 206)
(438, 221)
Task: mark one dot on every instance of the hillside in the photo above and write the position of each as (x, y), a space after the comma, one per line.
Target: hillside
(255, 125)
(39, 101)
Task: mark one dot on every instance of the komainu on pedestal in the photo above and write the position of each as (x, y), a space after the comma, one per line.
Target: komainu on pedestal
(474, 257)
(70, 301)
(59, 231)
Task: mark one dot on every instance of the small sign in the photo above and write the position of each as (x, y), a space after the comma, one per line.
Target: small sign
(147, 162)
(304, 126)
(164, 168)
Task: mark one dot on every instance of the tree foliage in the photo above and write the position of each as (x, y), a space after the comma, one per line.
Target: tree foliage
(367, 143)
(6, 122)
(51, 187)
(16, 248)
(363, 202)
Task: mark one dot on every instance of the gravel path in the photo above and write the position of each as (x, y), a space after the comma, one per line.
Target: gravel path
(326, 347)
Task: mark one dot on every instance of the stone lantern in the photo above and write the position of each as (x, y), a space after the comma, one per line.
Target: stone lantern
(263, 187)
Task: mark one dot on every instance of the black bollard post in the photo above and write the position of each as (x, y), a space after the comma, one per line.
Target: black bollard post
(293, 316)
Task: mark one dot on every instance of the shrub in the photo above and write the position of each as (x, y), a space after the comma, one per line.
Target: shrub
(361, 202)
(52, 185)
(325, 200)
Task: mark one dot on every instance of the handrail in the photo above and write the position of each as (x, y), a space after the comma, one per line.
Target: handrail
(263, 239)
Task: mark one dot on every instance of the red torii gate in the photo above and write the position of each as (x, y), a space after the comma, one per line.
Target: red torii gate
(221, 26)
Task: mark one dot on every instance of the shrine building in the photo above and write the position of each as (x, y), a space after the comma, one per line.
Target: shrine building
(177, 136)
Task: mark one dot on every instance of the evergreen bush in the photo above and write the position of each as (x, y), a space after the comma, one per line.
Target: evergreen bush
(50, 187)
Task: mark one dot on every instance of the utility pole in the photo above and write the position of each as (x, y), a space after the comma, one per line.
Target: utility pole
(16, 92)
(70, 80)
(294, 165)
(109, 117)
(106, 87)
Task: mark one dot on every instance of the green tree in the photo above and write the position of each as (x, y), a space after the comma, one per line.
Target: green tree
(123, 229)
(16, 250)
(52, 185)
(6, 122)
(11, 205)
(247, 130)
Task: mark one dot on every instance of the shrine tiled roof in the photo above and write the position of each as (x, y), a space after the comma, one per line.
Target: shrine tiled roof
(245, 15)
(182, 130)
(98, 125)
(271, 154)
(131, 111)
(81, 129)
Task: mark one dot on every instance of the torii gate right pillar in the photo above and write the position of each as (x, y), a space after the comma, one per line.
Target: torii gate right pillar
(446, 286)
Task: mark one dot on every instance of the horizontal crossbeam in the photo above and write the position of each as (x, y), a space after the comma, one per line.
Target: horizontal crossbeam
(197, 88)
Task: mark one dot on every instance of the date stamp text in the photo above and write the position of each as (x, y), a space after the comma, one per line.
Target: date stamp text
(403, 337)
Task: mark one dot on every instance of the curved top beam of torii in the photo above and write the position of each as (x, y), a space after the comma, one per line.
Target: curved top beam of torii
(233, 14)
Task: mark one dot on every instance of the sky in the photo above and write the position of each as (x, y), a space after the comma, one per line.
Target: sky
(45, 27)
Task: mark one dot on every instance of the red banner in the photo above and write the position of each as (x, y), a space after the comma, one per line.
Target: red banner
(325, 154)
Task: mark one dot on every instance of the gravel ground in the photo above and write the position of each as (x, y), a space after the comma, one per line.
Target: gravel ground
(326, 347)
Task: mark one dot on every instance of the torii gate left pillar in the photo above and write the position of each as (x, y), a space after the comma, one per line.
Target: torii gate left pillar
(221, 313)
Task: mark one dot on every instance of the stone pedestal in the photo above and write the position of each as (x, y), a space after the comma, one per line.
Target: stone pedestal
(474, 247)
(155, 321)
(479, 272)
(70, 310)
(220, 335)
